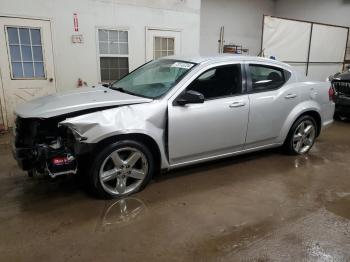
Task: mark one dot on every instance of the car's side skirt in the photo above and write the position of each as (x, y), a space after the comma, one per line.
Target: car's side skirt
(206, 159)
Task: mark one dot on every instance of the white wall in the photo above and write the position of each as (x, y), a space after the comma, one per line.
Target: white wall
(73, 61)
(324, 11)
(242, 20)
(335, 12)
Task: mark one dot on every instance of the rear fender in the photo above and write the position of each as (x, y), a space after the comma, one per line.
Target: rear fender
(300, 109)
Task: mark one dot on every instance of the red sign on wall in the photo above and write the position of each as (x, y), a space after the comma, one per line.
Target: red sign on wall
(75, 22)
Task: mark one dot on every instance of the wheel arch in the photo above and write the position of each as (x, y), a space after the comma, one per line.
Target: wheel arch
(315, 115)
(303, 109)
(139, 137)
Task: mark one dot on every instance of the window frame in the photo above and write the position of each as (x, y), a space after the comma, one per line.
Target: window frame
(98, 55)
(19, 44)
(243, 80)
(286, 76)
(163, 50)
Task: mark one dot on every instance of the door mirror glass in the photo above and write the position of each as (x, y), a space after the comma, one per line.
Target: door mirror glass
(190, 97)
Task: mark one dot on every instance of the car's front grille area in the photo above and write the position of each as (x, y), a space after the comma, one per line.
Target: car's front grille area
(342, 88)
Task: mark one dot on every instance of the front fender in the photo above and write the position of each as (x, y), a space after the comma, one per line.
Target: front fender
(148, 119)
(297, 111)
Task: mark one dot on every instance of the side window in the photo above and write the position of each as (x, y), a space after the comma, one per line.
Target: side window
(266, 78)
(219, 82)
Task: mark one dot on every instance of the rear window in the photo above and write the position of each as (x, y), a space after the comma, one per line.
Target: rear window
(266, 78)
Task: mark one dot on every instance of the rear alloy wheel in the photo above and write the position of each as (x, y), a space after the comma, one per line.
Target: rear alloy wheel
(122, 169)
(301, 136)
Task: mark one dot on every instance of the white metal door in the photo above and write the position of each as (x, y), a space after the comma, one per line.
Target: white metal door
(161, 43)
(26, 64)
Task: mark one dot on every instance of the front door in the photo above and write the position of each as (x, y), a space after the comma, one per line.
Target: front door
(161, 43)
(216, 127)
(26, 64)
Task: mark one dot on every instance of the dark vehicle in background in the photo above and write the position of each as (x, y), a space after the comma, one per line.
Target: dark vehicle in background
(341, 85)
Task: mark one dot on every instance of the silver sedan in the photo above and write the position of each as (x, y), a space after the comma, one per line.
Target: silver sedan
(174, 112)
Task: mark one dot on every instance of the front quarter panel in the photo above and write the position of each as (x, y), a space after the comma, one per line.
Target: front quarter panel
(148, 119)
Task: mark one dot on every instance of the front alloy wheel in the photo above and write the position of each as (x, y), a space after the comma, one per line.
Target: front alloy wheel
(121, 169)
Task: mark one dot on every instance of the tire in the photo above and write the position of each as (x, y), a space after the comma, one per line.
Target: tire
(121, 169)
(297, 137)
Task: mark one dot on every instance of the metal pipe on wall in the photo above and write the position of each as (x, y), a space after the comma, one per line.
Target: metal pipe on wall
(221, 39)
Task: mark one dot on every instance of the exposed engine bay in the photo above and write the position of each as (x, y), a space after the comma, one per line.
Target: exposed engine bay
(43, 146)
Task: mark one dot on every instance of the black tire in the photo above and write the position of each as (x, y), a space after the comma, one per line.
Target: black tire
(288, 144)
(95, 185)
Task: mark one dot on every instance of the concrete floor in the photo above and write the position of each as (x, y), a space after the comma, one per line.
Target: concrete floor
(260, 207)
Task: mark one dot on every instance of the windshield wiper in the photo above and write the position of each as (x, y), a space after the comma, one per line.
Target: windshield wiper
(122, 90)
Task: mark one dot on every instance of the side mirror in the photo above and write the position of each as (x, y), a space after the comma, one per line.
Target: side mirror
(106, 85)
(347, 67)
(190, 97)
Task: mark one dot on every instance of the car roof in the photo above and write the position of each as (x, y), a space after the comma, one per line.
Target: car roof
(225, 57)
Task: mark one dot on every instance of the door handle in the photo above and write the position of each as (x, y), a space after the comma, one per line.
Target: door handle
(237, 104)
(289, 96)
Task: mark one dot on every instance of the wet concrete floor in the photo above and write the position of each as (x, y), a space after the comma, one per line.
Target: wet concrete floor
(260, 207)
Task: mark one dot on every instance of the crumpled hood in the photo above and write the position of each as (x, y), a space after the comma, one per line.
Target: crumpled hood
(76, 100)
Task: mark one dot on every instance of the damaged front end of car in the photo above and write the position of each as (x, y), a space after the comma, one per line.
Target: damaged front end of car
(45, 142)
(41, 146)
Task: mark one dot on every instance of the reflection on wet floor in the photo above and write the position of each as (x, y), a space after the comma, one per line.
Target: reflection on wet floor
(121, 212)
(340, 207)
(307, 160)
(263, 206)
(233, 239)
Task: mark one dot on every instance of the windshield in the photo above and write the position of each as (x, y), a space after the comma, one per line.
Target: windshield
(153, 79)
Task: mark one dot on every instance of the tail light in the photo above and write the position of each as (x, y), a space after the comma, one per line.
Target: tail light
(331, 94)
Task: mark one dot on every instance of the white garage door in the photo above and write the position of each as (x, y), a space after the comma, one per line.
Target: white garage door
(26, 64)
(317, 50)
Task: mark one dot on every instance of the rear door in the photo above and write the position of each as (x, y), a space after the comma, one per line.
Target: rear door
(26, 64)
(272, 96)
(216, 127)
